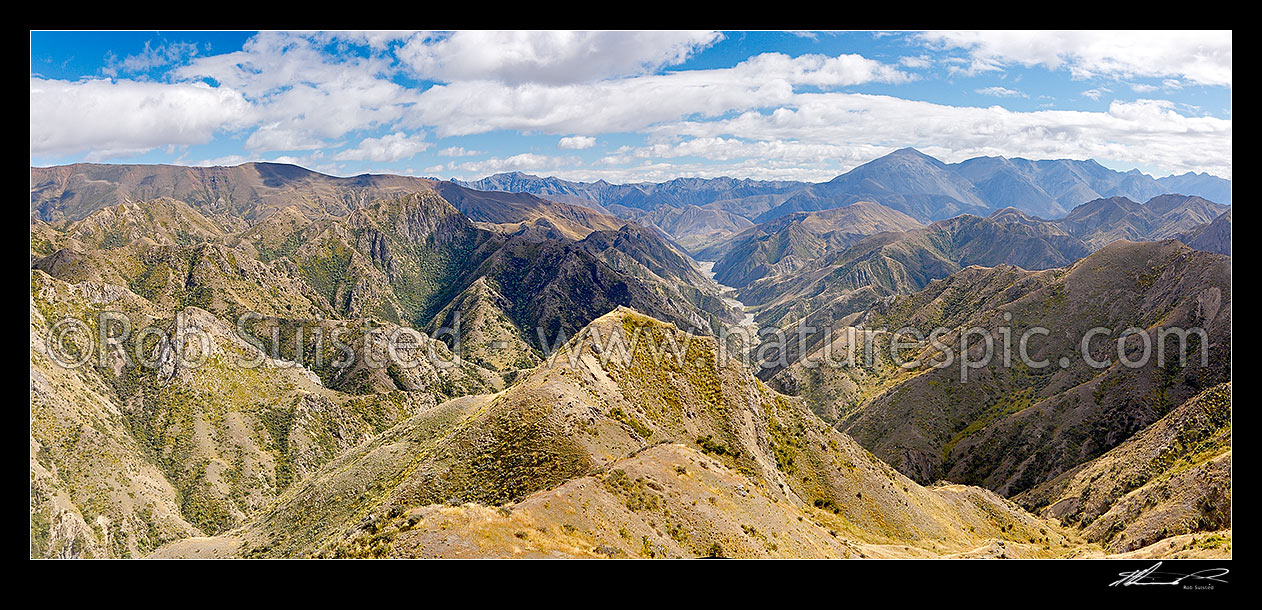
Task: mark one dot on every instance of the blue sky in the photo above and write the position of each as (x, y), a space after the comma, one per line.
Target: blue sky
(630, 106)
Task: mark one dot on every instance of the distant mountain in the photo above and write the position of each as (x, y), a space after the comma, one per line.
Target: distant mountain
(1210, 187)
(905, 180)
(690, 226)
(251, 191)
(850, 279)
(793, 241)
(676, 193)
(1103, 221)
(228, 194)
(525, 214)
(927, 189)
(694, 212)
(1213, 237)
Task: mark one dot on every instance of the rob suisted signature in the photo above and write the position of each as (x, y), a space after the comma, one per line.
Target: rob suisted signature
(1150, 576)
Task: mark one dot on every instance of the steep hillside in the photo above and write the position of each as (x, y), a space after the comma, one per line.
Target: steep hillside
(1169, 479)
(1012, 426)
(620, 453)
(484, 330)
(1103, 221)
(851, 279)
(1212, 237)
(791, 242)
(691, 226)
(127, 455)
(165, 251)
(525, 214)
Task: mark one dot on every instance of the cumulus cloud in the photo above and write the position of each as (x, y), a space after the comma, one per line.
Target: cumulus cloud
(298, 97)
(576, 142)
(771, 115)
(554, 57)
(124, 117)
(389, 148)
(1146, 132)
(631, 104)
(1199, 57)
(301, 94)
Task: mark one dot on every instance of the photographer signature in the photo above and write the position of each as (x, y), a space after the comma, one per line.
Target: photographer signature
(1151, 576)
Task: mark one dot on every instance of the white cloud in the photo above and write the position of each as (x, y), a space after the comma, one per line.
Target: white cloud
(1096, 93)
(1201, 57)
(1001, 92)
(301, 94)
(528, 162)
(458, 151)
(377, 40)
(124, 117)
(285, 93)
(631, 104)
(151, 57)
(729, 149)
(1146, 132)
(388, 148)
(226, 160)
(555, 57)
(918, 62)
(576, 142)
(649, 171)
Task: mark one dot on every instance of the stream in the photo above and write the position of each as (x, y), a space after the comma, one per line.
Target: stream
(747, 324)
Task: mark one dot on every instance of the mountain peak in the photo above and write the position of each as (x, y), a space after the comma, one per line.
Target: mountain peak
(911, 153)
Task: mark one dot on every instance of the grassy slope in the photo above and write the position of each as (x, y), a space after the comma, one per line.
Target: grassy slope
(598, 435)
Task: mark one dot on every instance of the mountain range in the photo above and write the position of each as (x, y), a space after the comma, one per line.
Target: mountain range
(552, 424)
(905, 180)
(1128, 453)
